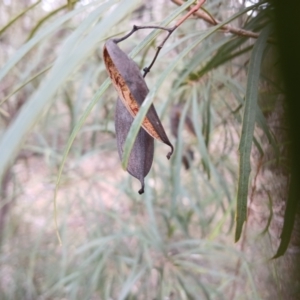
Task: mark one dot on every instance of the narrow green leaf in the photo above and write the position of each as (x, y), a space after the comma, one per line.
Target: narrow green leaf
(43, 20)
(258, 146)
(203, 150)
(248, 130)
(262, 122)
(131, 280)
(260, 118)
(198, 129)
(270, 207)
(177, 161)
(153, 224)
(201, 56)
(19, 87)
(218, 60)
(289, 217)
(38, 38)
(17, 17)
(76, 129)
(207, 118)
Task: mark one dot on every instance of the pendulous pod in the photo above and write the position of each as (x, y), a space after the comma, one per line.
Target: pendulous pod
(141, 156)
(132, 89)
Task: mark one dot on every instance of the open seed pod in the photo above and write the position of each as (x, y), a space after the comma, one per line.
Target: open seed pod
(132, 89)
(141, 156)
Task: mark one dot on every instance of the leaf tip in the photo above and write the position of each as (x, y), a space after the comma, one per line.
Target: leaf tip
(238, 233)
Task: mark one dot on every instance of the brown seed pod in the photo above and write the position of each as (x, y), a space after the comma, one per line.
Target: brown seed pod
(141, 156)
(132, 89)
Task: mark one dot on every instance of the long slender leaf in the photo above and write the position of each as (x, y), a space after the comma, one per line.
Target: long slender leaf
(248, 130)
(17, 17)
(177, 162)
(131, 280)
(19, 87)
(44, 19)
(38, 38)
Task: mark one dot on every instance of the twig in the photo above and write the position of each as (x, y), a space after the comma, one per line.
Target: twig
(136, 28)
(170, 31)
(147, 69)
(206, 17)
(192, 10)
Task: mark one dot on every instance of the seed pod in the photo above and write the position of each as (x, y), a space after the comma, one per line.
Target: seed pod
(141, 156)
(132, 89)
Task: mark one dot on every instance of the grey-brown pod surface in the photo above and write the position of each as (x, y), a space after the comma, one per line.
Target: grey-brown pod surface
(141, 156)
(132, 89)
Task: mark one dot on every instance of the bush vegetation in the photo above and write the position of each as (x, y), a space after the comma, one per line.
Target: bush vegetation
(218, 92)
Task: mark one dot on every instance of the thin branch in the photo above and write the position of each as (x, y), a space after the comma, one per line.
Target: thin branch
(192, 10)
(136, 28)
(206, 17)
(170, 31)
(147, 69)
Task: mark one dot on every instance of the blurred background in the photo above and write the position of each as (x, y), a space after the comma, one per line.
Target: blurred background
(176, 241)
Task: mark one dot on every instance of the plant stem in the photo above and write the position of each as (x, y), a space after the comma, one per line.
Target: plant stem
(234, 30)
(147, 69)
(136, 28)
(170, 31)
(193, 10)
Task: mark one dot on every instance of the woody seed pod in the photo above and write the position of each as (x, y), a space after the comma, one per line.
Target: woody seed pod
(132, 89)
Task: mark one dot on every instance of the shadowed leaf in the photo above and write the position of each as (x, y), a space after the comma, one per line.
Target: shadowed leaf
(247, 131)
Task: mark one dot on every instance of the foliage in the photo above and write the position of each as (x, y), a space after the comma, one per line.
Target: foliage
(57, 110)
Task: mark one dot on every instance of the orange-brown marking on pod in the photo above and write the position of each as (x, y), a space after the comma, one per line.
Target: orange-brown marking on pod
(125, 94)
